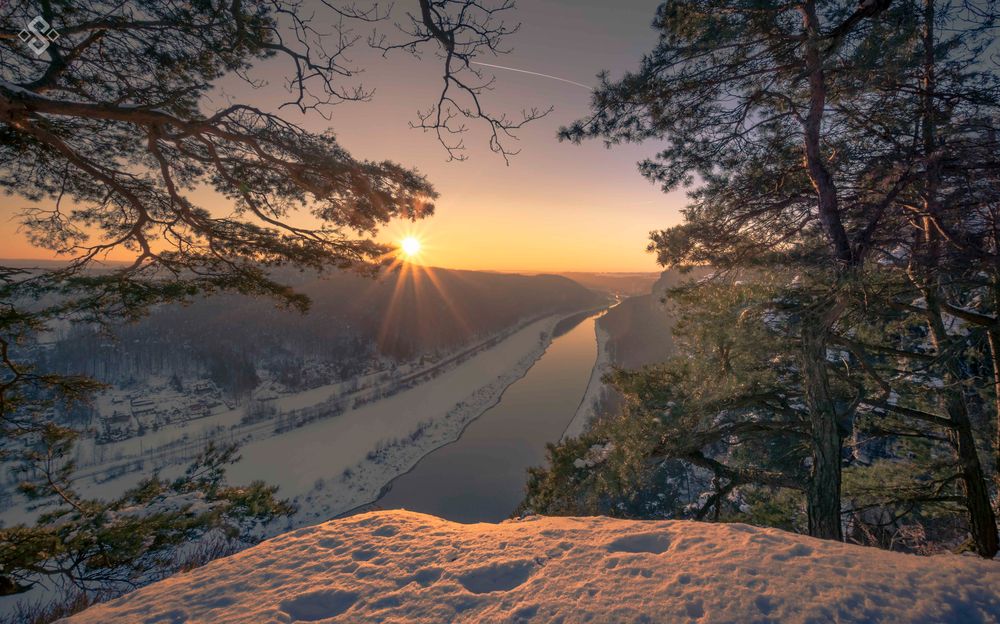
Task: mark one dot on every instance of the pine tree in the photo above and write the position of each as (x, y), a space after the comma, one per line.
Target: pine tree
(806, 130)
(106, 133)
(741, 93)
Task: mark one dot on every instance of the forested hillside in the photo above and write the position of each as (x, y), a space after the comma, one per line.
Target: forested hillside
(640, 328)
(623, 284)
(232, 338)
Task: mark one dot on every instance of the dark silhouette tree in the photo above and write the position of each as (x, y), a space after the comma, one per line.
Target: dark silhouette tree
(740, 93)
(110, 129)
(809, 129)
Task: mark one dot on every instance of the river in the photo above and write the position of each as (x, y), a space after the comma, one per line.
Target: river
(481, 476)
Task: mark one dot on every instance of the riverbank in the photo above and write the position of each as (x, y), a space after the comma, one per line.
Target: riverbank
(336, 464)
(592, 397)
(636, 332)
(179, 443)
(344, 463)
(480, 477)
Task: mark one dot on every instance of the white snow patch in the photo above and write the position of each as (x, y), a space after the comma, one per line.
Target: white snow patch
(596, 454)
(333, 465)
(596, 389)
(401, 566)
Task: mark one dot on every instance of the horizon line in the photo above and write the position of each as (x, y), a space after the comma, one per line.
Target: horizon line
(445, 268)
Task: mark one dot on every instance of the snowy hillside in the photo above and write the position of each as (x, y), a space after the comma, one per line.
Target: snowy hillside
(406, 567)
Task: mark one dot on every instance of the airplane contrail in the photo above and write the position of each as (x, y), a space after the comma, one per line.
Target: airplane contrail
(525, 71)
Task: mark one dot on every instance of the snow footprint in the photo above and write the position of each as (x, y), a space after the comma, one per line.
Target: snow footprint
(496, 577)
(798, 550)
(655, 543)
(318, 605)
(424, 577)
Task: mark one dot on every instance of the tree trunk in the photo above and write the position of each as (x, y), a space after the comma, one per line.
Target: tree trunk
(819, 175)
(982, 520)
(994, 345)
(994, 337)
(823, 493)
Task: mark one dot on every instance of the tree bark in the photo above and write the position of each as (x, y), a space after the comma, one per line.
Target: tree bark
(819, 175)
(994, 337)
(994, 345)
(823, 492)
(982, 520)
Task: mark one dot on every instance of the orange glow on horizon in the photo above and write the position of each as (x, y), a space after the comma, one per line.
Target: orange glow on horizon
(533, 237)
(554, 207)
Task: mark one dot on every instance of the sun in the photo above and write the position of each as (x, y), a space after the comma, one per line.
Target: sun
(410, 246)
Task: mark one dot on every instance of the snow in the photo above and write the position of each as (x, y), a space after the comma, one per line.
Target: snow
(338, 464)
(178, 442)
(333, 465)
(19, 90)
(595, 387)
(398, 566)
(596, 454)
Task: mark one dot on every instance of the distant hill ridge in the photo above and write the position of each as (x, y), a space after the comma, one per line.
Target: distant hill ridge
(352, 319)
(430, 308)
(640, 329)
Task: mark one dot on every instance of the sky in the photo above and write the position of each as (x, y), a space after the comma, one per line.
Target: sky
(556, 206)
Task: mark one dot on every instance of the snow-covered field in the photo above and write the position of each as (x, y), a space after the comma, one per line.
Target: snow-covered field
(93, 459)
(335, 464)
(410, 568)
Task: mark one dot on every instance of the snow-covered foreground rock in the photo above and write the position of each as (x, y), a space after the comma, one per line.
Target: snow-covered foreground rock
(410, 568)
